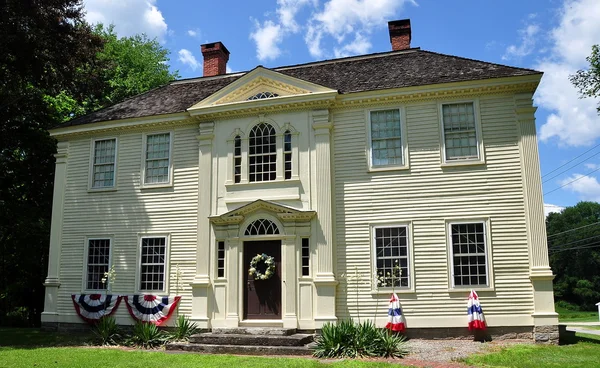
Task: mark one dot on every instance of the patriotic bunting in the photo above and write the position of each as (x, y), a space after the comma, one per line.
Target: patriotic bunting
(92, 307)
(151, 308)
(396, 321)
(476, 319)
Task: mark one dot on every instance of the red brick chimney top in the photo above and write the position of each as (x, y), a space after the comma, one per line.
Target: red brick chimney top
(400, 34)
(215, 56)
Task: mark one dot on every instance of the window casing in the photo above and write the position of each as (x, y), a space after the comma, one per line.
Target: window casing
(461, 132)
(262, 155)
(305, 257)
(220, 259)
(391, 256)
(97, 262)
(157, 159)
(104, 163)
(468, 244)
(237, 159)
(387, 139)
(287, 154)
(153, 263)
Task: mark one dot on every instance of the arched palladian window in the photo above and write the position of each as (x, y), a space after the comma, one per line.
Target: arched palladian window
(262, 153)
(262, 227)
(237, 159)
(261, 95)
(287, 154)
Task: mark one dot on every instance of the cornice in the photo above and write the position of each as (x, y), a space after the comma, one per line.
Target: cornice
(243, 93)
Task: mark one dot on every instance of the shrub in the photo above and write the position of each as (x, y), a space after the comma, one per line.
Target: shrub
(183, 329)
(107, 331)
(349, 340)
(147, 335)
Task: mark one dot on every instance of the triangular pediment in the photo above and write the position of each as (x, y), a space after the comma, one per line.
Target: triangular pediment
(282, 212)
(253, 87)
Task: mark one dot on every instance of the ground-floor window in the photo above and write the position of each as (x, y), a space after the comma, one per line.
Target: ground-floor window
(391, 247)
(98, 262)
(468, 254)
(152, 264)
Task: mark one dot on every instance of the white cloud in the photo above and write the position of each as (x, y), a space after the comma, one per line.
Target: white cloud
(194, 32)
(360, 45)
(573, 121)
(186, 57)
(129, 17)
(591, 166)
(549, 208)
(587, 187)
(528, 40)
(267, 37)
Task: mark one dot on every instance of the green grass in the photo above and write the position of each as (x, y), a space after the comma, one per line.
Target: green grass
(20, 348)
(566, 315)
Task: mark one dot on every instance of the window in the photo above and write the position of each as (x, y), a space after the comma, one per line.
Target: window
(152, 265)
(262, 153)
(386, 138)
(261, 95)
(98, 262)
(237, 159)
(262, 227)
(460, 132)
(469, 255)
(221, 259)
(287, 153)
(391, 256)
(158, 153)
(305, 257)
(104, 163)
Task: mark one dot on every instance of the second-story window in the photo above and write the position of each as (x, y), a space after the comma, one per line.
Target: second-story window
(386, 139)
(237, 159)
(104, 163)
(262, 153)
(287, 153)
(461, 138)
(158, 155)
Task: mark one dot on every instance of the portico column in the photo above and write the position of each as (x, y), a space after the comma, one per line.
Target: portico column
(52, 282)
(324, 280)
(540, 273)
(201, 284)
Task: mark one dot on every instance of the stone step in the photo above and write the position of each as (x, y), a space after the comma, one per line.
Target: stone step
(239, 349)
(245, 339)
(255, 331)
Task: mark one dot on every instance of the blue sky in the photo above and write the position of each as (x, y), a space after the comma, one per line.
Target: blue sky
(553, 36)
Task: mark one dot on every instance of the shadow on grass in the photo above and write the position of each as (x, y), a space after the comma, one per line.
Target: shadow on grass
(31, 338)
(572, 337)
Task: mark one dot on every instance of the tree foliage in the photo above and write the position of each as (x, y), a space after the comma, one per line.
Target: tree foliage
(588, 81)
(574, 248)
(53, 67)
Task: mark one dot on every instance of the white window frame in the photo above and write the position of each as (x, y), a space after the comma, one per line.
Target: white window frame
(478, 135)
(403, 138)
(86, 249)
(91, 187)
(410, 258)
(224, 277)
(488, 253)
(138, 271)
(169, 183)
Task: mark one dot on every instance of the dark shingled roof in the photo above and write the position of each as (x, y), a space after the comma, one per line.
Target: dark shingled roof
(354, 74)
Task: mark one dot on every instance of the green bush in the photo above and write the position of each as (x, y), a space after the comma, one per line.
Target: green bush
(349, 340)
(183, 329)
(107, 331)
(147, 335)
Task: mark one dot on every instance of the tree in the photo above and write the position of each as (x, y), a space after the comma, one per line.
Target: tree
(574, 248)
(588, 81)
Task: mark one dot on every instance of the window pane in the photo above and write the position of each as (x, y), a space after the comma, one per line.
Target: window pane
(386, 139)
(460, 133)
(263, 153)
(391, 256)
(469, 254)
(157, 158)
(103, 168)
(153, 263)
(98, 263)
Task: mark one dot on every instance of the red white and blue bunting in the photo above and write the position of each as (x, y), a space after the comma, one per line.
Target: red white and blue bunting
(476, 318)
(396, 321)
(92, 307)
(151, 308)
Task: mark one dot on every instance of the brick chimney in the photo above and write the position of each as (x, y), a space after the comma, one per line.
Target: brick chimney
(400, 34)
(215, 56)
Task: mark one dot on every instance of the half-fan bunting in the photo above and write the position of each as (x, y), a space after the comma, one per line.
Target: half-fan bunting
(151, 308)
(476, 318)
(396, 321)
(92, 307)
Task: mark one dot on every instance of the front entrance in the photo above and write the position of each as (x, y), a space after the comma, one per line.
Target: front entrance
(262, 298)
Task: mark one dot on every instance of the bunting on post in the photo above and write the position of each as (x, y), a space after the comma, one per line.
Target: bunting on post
(151, 308)
(396, 321)
(92, 307)
(476, 318)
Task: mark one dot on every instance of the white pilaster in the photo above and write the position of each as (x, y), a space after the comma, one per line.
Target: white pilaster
(201, 292)
(540, 273)
(324, 280)
(52, 282)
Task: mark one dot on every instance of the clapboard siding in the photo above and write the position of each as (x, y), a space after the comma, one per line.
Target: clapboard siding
(129, 211)
(428, 194)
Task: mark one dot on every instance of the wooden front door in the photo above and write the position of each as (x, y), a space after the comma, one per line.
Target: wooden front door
(262, 298)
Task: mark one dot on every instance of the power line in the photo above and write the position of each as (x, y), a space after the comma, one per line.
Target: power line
(577, 228)
(577, 164)
(562, 246)
(590, 246)
(568, 162)
(572, 181)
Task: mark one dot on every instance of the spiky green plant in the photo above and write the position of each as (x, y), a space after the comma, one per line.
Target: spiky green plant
(184, 329)
(147, 335)
(107, 331)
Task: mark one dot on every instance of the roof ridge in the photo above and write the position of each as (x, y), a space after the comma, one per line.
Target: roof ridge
(480, 61)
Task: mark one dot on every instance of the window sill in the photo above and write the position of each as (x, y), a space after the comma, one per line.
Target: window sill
(156, 186)
(388, 291)
(258, 184)
(387, 168)
(103, 292)
(469, 288)
(462, 163)
(102, 190)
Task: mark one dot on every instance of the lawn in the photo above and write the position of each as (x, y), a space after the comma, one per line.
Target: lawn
(566, 315)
